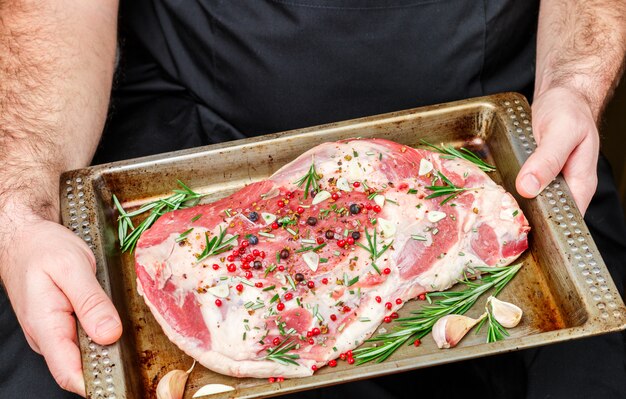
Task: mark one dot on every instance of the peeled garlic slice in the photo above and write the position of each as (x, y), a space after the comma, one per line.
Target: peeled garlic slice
(450, 329)
(387, 228)
(435, 216)
(379, 200)
(343, 184)
(320, 197)
(425, 167)
(172, 384)
(311, 259)
(212, 389)
(220, 291)
(505, 313)
(268, 217)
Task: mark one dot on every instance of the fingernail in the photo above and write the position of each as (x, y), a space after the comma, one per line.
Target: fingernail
(106, 326)
(531, 184)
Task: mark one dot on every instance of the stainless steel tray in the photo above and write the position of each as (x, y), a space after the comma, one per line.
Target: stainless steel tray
(564, 286)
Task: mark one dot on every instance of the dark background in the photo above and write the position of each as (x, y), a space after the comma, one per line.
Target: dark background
(613, 139)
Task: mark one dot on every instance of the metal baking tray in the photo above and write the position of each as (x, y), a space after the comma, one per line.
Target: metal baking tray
(564, 287)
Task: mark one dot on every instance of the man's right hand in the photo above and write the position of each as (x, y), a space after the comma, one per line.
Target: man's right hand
(49, 275)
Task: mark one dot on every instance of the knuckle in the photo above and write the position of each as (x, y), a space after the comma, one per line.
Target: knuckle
(90, 302)
(552, 164)
(63, 379)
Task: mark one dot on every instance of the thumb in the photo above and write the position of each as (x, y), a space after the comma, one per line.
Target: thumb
(557, 143)
(92, 306)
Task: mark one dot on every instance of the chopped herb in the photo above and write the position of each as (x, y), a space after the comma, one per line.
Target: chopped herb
(412, 191)
(128, 234)
(270, 269)
(268, 235)
(314, 249)
(418, 237)
(274, 298)
(372, 248)
(372, 195)
(216, 245)
(279, 354)
(354, 153)
(450, 152)
(515, 213)
(353, 281)
(293, 233)
(391, 201)
(291, 282)
(246, 282)
(198, 216)
(364, 319)
(323, 260)
(271, 287)
(183, 235)
(447, 189)
(309, 180)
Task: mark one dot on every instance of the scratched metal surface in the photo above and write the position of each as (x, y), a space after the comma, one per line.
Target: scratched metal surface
(564, 287)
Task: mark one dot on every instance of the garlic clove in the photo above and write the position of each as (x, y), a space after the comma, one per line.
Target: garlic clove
(387, 228)
(450, 329)
(212, 389)
(268, 218)
(321, 197)
(507, 314)
(312, 260)
(435, 216)
(172, 384)
(343, 184)
(220, 291)
(425, 167)
(379, 200)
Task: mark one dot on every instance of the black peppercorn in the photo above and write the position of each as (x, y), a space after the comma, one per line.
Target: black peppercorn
(311, 221)
(284, 254)
(257, 264)
(354, 209)
(299, 277)
(330, 234)
(253, 216)
(356, 235)
(253, 240)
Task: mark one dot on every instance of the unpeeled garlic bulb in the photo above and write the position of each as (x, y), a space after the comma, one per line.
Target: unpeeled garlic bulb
(507, 314)
(450, 329)
(172, 384)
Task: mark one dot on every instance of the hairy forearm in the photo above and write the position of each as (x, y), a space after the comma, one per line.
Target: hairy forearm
(56, 68)
(581, 46)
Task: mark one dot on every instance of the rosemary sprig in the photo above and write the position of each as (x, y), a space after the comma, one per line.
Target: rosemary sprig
(495, 330)
(216, 245)
(279, 354)
(422, 321)
(447, 189)
(462, 153)
(128, 234)
(309, 180)
(372, 248)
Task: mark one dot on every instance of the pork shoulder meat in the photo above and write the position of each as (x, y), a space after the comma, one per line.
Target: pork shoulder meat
(284, 268)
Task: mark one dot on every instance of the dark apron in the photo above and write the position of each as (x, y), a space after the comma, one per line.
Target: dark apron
(199, 72)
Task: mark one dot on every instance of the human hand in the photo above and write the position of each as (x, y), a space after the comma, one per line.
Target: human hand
(48, 274)
(567, 142)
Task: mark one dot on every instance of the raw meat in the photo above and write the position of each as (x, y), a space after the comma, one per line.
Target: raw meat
(324, 296)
